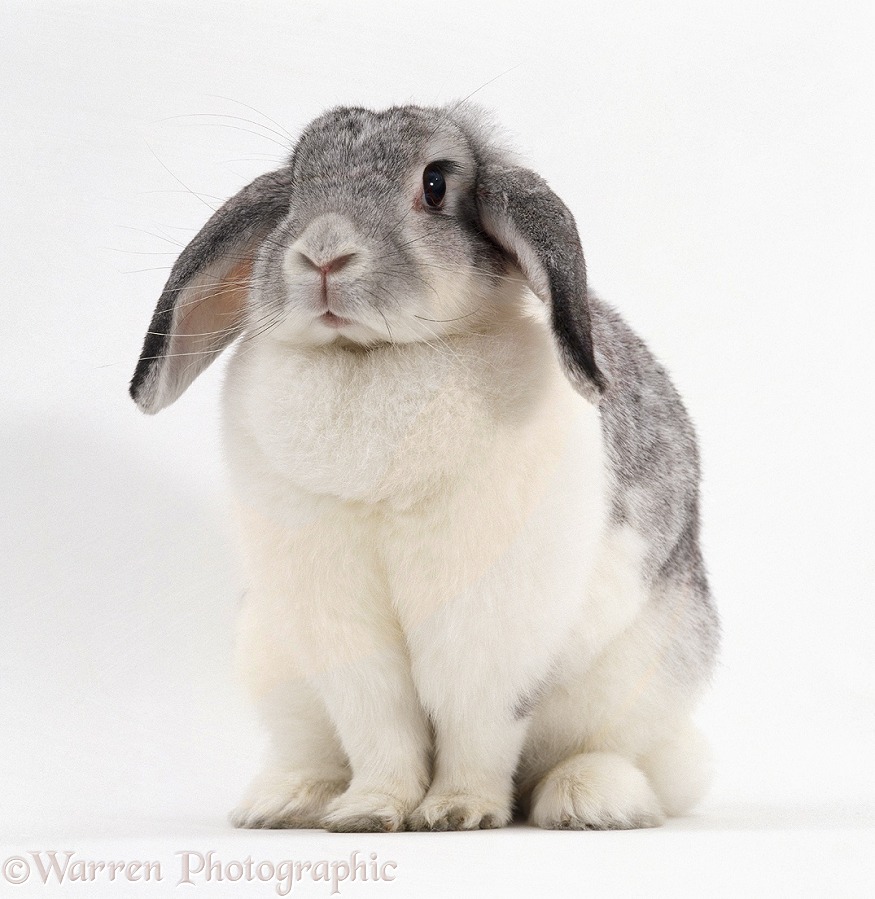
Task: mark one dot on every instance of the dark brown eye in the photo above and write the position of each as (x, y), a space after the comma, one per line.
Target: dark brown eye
(434, 187)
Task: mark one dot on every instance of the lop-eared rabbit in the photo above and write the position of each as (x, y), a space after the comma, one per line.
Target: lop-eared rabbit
(466, 492)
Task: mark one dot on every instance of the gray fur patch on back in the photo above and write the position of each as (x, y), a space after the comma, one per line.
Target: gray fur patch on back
(654, 465)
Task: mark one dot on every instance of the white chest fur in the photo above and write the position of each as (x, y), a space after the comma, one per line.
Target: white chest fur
(391, 424)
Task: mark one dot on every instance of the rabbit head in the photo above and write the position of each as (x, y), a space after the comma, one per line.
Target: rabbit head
(396, 226)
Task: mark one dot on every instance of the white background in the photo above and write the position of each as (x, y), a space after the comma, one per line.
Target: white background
(719, 160)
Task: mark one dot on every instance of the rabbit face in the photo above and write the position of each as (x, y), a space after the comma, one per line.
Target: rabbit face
(390, 227)
(381, 242)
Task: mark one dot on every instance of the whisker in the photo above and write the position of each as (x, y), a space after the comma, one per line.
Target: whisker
(402, 270)
(200, 300)
(511, 279)
(257, 157)
(218, 331)
(139, 252)
(243, 282)
(174, 355)
(261, 327)
(179, 180)
(248, 342)
(444, 320)
(387, 323)
(482, 86)
(153, 234)
(285, 131)
(199, 195)
(216, 115)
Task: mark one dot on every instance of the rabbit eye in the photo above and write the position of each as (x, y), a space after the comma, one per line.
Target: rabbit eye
(434, 187)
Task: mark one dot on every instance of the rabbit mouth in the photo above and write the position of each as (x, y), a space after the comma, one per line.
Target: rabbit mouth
(333, 321)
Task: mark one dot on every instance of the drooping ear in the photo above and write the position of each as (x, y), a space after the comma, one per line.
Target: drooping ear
(531, 224)
(200, 310)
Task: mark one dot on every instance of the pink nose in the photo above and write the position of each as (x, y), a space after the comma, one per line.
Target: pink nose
(326, 268)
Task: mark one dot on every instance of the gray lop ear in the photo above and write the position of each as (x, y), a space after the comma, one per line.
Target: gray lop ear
(521, 214)
(201, 308)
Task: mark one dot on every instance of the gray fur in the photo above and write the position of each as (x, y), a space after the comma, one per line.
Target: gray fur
(655, 468)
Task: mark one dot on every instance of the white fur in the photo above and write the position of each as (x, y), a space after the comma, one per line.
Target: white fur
(595, 791)
(428, 538)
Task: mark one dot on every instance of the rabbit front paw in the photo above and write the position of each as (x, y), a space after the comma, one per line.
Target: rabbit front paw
(369, 811)
(454, 810)
(287, 801)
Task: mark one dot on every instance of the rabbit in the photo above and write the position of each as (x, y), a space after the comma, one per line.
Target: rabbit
(466, 492)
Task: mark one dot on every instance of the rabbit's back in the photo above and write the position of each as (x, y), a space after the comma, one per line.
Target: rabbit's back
(654, 475)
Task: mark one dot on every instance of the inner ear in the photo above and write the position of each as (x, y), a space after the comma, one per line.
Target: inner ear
(211, 309)
(191, 326)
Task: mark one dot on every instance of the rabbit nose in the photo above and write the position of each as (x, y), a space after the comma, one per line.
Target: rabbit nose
(325, 268)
